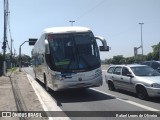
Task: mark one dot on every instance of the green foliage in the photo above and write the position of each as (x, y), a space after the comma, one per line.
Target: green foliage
(130, 60)
(119, 59)
(12, 69)
(15, 60)
(25, 58)
(149, 57)
(155, 53)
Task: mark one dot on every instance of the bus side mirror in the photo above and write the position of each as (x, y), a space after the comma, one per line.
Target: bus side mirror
(47, 50)
(158, 68)
(102, 48)
(104, 43)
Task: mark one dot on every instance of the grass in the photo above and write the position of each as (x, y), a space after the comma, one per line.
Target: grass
(12, 69)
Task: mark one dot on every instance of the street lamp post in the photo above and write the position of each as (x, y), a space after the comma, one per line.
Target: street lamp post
(141, 39)
(20, 61)
(72, 22)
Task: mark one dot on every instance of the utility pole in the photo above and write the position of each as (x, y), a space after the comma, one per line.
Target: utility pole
(11, 53)
(141, 40)
(5, 35)
(136, 52)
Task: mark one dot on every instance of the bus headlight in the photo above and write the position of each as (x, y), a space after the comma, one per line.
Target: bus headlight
(59, 77)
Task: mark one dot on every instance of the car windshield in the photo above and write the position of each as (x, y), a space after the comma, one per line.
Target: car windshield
(144, 71)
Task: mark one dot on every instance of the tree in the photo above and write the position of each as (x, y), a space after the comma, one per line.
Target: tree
(107, 61)
(155, 53)
(25, 60)
(130, 60)
(149, 56)
(117, 59)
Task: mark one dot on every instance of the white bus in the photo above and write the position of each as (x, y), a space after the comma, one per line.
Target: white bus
(68, 57)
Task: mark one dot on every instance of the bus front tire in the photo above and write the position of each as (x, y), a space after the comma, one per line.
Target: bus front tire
(45, 82)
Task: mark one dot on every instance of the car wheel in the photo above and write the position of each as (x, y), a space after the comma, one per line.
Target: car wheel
(142, 93)
(111, 86)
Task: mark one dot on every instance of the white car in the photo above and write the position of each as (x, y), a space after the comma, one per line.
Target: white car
(140, 79)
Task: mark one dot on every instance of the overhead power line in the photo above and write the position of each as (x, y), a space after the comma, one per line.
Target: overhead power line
(91, 9)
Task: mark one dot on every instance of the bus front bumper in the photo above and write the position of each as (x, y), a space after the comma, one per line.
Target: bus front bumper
(62, 85)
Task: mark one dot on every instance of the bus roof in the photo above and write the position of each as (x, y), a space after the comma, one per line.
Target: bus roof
(71, 29)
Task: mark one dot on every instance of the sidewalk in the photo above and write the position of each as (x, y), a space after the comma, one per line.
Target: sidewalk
(17, 94)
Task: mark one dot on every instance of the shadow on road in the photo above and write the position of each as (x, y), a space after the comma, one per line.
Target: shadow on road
(150, 99)
(76, 95)
(154, 99)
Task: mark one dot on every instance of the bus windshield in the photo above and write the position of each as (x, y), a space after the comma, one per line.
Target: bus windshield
(73, 52)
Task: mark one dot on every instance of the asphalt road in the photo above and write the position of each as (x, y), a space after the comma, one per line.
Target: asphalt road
(101, 99)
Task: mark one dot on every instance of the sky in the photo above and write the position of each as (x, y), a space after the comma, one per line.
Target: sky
(115, 20)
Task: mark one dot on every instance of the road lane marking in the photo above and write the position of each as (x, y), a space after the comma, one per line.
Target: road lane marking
(39, 97)
(128, 101)
(45, 99)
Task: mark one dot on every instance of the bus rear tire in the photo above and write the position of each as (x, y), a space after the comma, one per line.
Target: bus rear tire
(35, 77)
(45, 82)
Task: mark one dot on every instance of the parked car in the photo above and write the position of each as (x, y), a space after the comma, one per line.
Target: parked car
(140, 79)
(154, 64)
